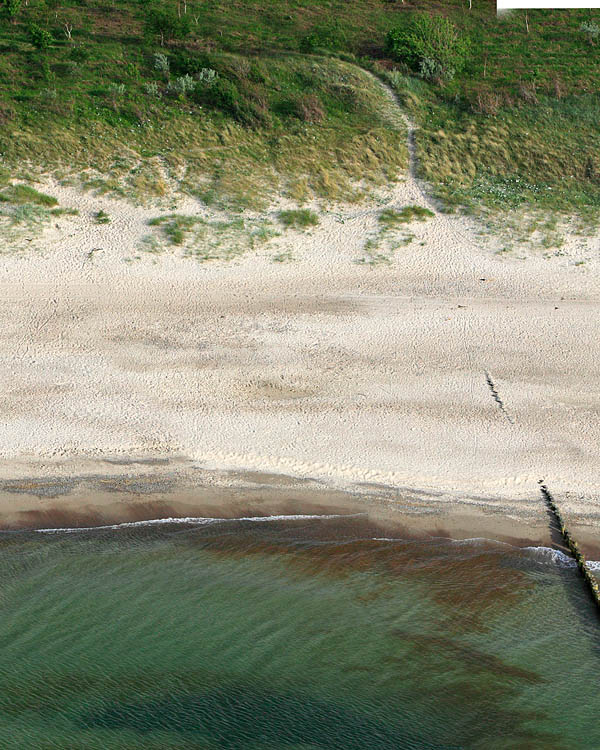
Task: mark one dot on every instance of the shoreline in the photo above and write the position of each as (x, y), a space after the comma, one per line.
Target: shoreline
(163, 491)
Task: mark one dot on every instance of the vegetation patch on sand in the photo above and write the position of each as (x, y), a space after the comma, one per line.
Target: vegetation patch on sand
(101, 217)
(302, 218)
(22, 208)
(205, 239)
(392, 234)
(25, 194)
(389, 217)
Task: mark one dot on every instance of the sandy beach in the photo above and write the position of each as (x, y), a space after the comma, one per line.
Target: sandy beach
(451, 369)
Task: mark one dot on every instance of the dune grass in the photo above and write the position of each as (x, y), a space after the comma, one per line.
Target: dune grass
(389, 217)
(207, 240)
(516, 127)
(302, 218)
(175, 227)
(101, 217)
(25, 194)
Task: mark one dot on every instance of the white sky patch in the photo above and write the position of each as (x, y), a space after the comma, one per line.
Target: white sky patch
(525, 4)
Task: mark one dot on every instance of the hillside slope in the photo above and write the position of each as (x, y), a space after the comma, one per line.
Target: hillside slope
(81, 82)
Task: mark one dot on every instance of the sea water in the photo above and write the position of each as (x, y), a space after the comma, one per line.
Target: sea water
(291, 632)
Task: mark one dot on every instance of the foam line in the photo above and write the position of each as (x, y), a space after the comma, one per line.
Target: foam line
(200, 521)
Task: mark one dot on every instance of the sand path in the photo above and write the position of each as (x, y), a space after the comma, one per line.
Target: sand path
(451, 369)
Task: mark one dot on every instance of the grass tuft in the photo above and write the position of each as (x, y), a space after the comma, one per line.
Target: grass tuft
(301, 218)
(101, 217)
(389, 217)
(21, 194)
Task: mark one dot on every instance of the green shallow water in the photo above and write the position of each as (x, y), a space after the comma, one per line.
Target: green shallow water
(295, 634)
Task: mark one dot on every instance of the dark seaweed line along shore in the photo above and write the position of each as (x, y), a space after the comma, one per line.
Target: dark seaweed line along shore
(571, 543)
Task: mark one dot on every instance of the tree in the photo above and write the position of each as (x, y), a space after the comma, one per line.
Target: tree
(431, 42)
(40, 38)
(10, 9)
(166, 24)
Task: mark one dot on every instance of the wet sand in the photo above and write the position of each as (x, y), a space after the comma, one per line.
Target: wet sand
(105, 494)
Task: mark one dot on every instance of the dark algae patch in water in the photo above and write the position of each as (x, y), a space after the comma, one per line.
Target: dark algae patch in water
(250, 717)
(291, 634)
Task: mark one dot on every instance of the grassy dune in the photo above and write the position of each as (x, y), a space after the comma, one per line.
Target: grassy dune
(291, 110)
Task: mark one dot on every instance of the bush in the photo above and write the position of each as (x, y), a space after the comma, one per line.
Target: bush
(431, 70)
(161, 63)
(10, 9)
(182, 86)
(166, 24)
(116, 89)
(429, 40)
(225, 95)
(246, 106)
(591, 31)
(207, 76)
(152, 89)
(40, 38)
(80, 53)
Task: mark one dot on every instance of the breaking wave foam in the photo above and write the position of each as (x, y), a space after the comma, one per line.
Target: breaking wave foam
(193, 521)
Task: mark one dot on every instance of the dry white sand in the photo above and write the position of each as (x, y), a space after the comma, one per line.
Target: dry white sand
(319, 367)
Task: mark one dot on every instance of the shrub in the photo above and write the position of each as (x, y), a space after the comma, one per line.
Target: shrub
(152, 89)
(300, 218)
(116, 89)
(10, 9)
(434, 39)
(225, 95)
(591, 31)
(183, 62)
(80, 53)
(431, 70)
(101, 217)
(207, 76)
(40, 38)
(182, 86)
(161, 63)
(166, 24)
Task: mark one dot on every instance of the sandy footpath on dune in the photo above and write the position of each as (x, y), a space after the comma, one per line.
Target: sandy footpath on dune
(451, 370)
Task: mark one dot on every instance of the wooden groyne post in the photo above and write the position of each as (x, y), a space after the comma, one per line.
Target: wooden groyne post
(572, 545)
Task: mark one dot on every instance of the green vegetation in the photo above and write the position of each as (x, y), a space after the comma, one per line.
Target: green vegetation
(389, 217)
(430, 45)
(175, 226)
(101, 217)
(299, 218)
(21, 207)
(380, 248)
(232, 102)
(21, 194)
(64, 212)
(208, 240)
